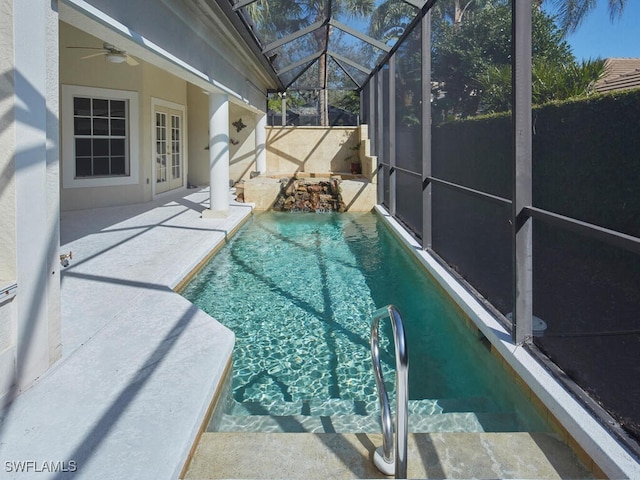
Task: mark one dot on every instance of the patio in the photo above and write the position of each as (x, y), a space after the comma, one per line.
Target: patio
(140, 363)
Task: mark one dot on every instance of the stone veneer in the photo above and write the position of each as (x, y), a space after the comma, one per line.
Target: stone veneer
(309, 195)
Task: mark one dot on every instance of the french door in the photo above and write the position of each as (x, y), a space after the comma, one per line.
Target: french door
(168, 141)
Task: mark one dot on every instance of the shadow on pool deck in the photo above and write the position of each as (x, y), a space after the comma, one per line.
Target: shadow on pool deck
(140, 364)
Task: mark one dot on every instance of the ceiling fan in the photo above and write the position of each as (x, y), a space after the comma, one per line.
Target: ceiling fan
(111, 53)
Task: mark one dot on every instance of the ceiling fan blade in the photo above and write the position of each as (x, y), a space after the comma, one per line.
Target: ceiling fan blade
(87, 48)
(131, 61)
(92, 55)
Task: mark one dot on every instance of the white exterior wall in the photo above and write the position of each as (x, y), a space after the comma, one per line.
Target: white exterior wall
(30, 322)
(53, 180)
(8, 272)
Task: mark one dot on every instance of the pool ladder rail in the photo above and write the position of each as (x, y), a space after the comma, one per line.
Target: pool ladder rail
(387, 460)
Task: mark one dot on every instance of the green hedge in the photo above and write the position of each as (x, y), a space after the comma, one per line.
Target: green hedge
(586, 158)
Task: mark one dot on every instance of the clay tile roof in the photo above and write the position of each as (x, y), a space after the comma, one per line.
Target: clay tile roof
(620, 74)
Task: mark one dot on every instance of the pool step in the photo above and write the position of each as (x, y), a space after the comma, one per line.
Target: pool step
(476, 414)
(439, 422)
(347, 456)
(335, 406)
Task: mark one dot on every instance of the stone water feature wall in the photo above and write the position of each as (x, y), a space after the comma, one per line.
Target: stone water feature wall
(309, 195)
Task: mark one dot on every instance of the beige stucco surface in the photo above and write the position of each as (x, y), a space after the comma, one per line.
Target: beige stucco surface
(149, 81)
(152, 84)
(242, 143)
(311, 149)
(198, 118)
(317, 150)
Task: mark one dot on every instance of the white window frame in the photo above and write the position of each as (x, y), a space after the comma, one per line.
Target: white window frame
(69, 180)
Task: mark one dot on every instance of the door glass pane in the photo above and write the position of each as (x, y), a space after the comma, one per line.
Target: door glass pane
(175, 146)
(161, 148)
(100, 126)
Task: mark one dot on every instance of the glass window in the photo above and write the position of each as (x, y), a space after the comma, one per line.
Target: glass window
(101, 137)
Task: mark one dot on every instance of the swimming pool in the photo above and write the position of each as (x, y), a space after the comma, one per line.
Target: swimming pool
(299, 290)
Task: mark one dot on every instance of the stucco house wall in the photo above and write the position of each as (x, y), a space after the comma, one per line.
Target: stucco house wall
(151, 84)
(148, 81)
(242, 148)
(242, 139)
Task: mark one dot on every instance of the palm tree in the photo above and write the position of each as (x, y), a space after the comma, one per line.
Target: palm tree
(390, 19)
(571, 13)
(287, 17)
(455, 10)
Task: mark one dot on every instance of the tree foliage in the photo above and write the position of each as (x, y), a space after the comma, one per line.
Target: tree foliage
(571, 13)
(279, 19)
(550, 82)
(472, 62)
(390, 20)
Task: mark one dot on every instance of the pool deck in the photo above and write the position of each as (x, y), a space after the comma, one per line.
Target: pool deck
(139, 364)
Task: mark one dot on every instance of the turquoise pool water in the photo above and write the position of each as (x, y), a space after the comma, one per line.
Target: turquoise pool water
(298, 290)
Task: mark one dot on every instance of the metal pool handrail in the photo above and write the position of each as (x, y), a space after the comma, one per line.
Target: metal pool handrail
(384, 458)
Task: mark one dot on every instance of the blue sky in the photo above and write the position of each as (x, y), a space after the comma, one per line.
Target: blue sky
(599, 37)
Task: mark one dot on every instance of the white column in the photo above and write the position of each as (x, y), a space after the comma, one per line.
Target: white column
(261, 143)
(35, 78)
(218, 156)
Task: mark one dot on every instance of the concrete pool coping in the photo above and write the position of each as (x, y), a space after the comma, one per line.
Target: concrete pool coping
(140, 364)
(594, 444)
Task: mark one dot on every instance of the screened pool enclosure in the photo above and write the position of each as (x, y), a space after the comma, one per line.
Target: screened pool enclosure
(531, 201)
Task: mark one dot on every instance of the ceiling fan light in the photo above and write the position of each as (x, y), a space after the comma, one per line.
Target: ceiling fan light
(116, 57)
